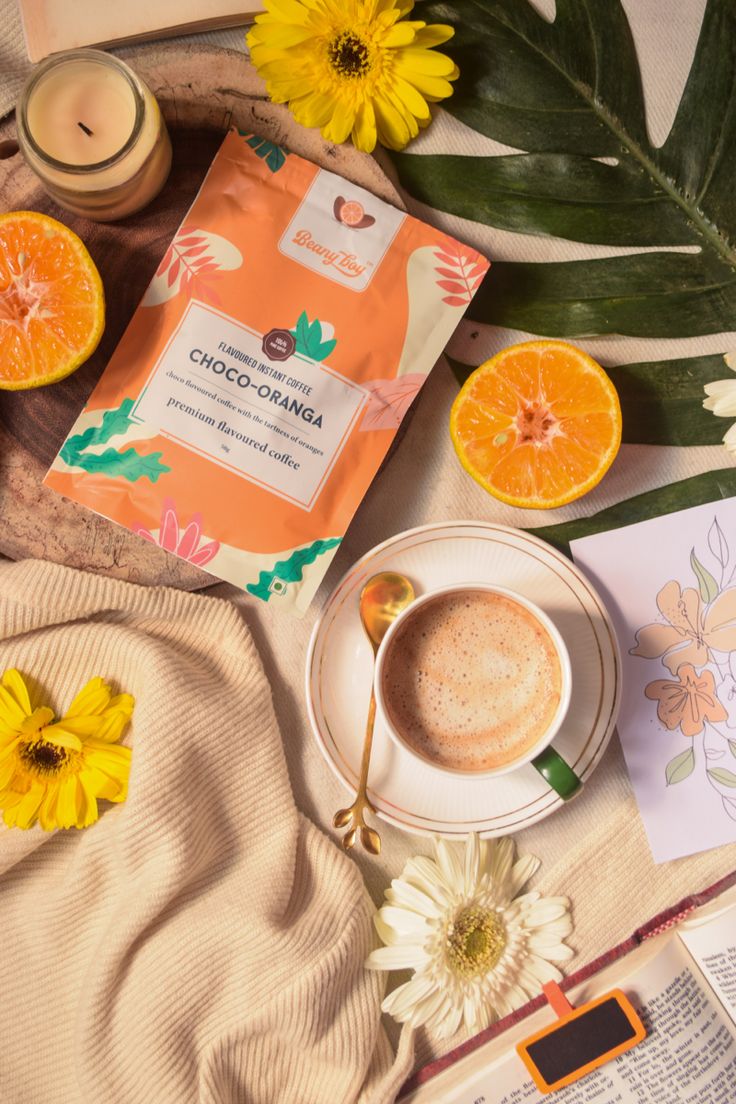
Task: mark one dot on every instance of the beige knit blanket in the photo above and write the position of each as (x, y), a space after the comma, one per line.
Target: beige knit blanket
(203, 941)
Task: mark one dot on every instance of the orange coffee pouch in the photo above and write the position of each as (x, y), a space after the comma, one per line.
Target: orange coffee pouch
(289, 326)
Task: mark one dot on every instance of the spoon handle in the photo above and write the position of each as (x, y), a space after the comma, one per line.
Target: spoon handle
(367, 748)
(354, 817)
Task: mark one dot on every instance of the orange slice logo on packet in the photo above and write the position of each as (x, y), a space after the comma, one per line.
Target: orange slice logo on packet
(290, 324)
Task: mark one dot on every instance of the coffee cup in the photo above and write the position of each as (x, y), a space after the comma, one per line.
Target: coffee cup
(475, 680)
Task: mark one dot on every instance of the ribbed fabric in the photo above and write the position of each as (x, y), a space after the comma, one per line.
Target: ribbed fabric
(203, 941)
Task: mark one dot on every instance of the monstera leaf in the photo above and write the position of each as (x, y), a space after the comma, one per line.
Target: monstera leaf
(569, 92)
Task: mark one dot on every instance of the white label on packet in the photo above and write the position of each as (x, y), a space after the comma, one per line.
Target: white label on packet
(251, 403)
(341, 231)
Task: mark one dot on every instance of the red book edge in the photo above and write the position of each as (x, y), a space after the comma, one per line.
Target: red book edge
(655, 926)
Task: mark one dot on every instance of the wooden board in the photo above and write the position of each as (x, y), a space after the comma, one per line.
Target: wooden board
(202, 90)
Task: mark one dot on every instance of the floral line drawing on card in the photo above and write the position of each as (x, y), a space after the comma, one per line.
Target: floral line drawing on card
(695, 641)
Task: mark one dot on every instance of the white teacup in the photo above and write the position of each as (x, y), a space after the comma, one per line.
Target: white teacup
(546, 651)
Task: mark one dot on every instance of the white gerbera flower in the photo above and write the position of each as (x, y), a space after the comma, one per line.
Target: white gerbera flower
(477, 950)
(722, 401)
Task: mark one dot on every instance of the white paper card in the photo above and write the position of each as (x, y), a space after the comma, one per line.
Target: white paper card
(670, 586)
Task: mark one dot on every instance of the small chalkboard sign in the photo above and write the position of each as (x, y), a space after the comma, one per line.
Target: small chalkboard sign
(581, 1039)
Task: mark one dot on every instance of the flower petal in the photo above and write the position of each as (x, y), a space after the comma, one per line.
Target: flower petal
(434, 34)
(10, 712)
(500, 859)
(390, 936)
(522, 870)
(425, 874)
(61, 737)
(25, 812)
(403, 999)
(364, 129)
(168, 536)
(449, 864)
(91, 699)
(402, 893)
(190, 538)
(404, 921)
(14, 684)
(66, 802)
(397, 958)
(719, 622)
(451, 1022)
(654, 640)
(546, 909)
(472, 863)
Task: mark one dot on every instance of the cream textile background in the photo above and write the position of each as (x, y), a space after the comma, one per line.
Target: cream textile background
(595, 849)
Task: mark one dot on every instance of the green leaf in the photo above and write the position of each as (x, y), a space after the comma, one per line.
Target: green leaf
(644, 295)
(718, 544)
(324, 350)
(290, 570)
(725, 777)
(732, 747)
(707, 585)
(274, 156)
(314, 333)
(661, 400)
(549, 193)
(309, 338)
(568, 92)
(680, 767)
(709, 487)
(129, 464)
(302, 332)
(114, 423)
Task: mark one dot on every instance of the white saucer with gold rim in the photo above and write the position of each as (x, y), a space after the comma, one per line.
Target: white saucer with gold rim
(414, 796)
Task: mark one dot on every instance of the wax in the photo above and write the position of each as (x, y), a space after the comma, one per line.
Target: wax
(98, 97)
(94, 134)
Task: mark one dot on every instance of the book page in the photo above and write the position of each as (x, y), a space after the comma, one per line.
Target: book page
(712, 944)
(689, 1055)
(53, 25)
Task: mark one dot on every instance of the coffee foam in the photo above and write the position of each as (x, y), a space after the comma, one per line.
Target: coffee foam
(472, 680)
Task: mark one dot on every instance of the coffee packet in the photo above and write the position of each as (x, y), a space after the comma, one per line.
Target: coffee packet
(287, 330)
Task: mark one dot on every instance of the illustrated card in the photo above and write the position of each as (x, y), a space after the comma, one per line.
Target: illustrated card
(670, 586)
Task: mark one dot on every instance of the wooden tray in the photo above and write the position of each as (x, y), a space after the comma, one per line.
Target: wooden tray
(202, 91)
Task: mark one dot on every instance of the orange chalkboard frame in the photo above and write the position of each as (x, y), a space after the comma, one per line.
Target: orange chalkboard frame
(567, 1014)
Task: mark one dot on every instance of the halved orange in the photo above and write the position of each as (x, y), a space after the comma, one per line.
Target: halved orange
(537, 425)
(52, 305)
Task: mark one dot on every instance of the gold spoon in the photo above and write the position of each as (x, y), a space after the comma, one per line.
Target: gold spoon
(382, 599)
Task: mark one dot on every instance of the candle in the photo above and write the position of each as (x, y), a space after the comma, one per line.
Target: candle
(93, 133)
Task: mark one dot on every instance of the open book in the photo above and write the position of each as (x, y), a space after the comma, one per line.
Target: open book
(51, 25)
(683, 984)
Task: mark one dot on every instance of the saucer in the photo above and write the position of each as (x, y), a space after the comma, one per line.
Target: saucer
(405, 791)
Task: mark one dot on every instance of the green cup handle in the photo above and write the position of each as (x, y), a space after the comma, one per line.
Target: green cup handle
(555, 770)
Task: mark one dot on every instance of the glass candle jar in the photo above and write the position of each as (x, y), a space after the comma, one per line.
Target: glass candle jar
(93, 133)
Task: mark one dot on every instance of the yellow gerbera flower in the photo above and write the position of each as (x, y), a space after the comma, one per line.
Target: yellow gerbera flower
(352, 67)
(54, 772)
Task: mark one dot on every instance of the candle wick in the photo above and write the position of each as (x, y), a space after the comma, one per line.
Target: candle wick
(84, 128)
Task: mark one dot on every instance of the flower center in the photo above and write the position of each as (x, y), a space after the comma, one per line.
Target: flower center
(536, 422)
(475, 941)
(42, 757)
(349, 55)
